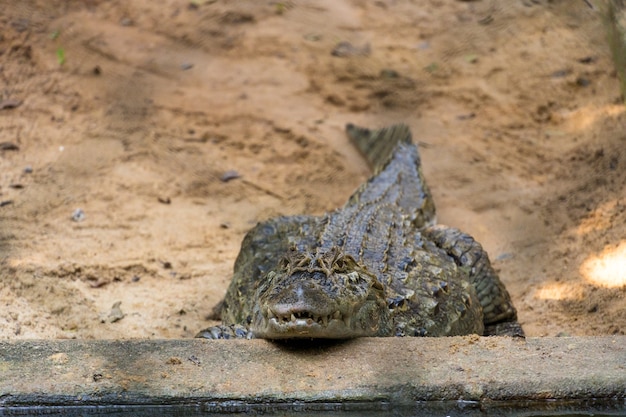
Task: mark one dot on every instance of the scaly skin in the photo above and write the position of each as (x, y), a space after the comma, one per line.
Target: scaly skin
(376, 267)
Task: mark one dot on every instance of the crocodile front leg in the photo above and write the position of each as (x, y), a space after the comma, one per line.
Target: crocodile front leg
(234, 331)
(499, 315)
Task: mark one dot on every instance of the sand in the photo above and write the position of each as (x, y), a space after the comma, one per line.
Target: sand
(140, 140)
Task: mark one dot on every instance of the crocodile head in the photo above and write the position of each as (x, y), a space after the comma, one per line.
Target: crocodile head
(321, 295)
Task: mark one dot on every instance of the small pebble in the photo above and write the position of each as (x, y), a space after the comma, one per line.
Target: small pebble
(28, 169)
(388, 73)
(9, 104)
(344, 48)
(561, 73)
(78, 215)
(8, 146)
(467, 116)
(587, 60)
(583, 82)
(504, 256)
(99, 283)
(193, 359)
(116, 313)
(231, 174)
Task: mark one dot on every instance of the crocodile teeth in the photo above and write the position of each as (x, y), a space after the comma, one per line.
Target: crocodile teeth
(270, 313)
(337, 315)
(325, 320)
(347, 321)
(293, 317)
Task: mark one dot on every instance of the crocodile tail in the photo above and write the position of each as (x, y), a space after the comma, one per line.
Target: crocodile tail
(378, 145)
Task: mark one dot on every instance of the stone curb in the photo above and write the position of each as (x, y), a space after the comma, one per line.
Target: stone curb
(374, 371)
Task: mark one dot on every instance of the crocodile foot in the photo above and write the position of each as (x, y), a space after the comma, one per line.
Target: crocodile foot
(234, 331)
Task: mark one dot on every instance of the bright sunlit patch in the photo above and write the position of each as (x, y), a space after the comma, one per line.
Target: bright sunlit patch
(608, 269)
(558, 291)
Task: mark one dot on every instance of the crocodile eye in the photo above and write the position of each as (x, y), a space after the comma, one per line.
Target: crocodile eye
(337, 263)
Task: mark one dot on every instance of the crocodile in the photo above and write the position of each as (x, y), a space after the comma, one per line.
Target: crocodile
(379, 266)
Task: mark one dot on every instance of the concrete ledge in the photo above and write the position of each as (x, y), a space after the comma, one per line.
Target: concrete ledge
(362, 372)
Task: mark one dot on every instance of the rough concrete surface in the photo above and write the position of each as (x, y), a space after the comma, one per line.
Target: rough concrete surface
(233, 375)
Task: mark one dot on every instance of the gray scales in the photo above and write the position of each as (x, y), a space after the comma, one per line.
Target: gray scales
(378, 266)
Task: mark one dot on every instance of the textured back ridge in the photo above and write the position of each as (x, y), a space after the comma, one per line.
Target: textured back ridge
(378, 145)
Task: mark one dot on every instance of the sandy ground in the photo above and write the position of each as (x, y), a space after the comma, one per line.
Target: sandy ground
(175, 126)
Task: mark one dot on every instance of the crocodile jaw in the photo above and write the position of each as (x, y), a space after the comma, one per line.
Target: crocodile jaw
(288, 322)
